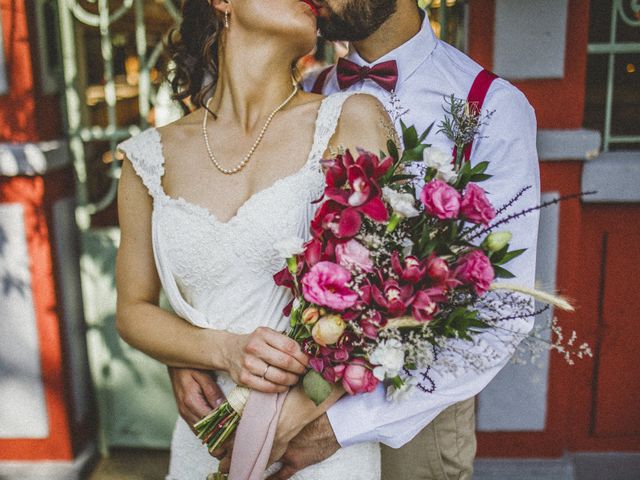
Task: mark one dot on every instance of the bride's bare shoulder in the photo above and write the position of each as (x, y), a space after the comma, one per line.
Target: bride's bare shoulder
(364, 122)
(182, 128)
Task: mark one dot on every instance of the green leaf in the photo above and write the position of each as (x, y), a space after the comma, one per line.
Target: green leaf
(428, 248)
(480, 167)
(316, 387)
(425, 134)
(480, 177)
(502, 272)
(511, 255)
(496, 257)
(413, 154)
(393, 150)
(453, 232)
(399, 178)
(410, 137)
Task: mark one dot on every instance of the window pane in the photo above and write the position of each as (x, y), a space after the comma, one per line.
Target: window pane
(623, 80)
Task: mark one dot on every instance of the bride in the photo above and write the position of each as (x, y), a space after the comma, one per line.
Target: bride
(203, 200)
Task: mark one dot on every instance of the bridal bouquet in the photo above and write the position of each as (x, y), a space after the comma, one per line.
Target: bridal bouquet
(390, 274)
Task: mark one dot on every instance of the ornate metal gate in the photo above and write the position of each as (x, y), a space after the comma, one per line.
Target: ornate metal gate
(102, 16)
(112, 87)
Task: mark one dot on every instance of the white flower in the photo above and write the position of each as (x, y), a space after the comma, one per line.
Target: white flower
(401, 203)
(399, 394)
(289, 247)
(407, 246)
(435, 158)
(389, 358)
(296, 303)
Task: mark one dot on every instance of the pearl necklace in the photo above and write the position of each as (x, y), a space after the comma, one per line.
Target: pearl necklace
(246, 158)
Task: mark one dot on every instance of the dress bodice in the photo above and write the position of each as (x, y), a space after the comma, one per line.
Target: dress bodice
(220, 274)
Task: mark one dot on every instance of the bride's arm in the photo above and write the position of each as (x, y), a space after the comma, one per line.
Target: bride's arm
(169, 338)
(364, 123)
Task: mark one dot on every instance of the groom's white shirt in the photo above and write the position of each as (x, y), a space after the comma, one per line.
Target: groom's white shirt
(430, 70)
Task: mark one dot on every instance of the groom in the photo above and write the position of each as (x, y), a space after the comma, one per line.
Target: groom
(395, 56)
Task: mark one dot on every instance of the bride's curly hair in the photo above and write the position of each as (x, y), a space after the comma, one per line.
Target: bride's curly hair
(193, 47)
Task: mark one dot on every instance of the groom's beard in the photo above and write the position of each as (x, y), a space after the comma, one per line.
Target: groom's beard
(357, 19)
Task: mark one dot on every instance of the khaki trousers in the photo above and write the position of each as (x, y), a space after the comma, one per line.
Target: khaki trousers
(443, 450)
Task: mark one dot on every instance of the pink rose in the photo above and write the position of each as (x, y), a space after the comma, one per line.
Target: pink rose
(326, 284)
(475, 269)
(353, 253)
(476, 206)
(441, 199)
(357, 378)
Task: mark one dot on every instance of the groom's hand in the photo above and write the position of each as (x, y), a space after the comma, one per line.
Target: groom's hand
(196, 393)
(315, 443)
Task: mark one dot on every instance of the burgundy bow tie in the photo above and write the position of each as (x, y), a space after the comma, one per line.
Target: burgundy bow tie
(384, 74)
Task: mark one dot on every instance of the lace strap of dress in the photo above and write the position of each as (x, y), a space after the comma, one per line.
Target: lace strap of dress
(326, 123)
(144, 151)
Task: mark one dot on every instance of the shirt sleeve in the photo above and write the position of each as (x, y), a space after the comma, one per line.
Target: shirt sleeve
(508, 142)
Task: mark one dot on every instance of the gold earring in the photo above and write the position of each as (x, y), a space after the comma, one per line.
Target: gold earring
(226, 18)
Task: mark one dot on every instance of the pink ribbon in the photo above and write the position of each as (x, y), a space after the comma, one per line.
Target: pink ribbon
(255, 434)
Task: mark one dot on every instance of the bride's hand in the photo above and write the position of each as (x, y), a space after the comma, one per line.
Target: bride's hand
(297, 412)
(265, 360)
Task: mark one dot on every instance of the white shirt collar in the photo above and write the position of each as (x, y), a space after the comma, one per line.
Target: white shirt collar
(408, 56)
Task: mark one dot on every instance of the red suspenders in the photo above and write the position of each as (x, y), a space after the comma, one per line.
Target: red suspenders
(477, 94)
(476, 97)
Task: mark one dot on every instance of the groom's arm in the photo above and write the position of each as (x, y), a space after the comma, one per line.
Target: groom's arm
(509, 143)
(196, 393)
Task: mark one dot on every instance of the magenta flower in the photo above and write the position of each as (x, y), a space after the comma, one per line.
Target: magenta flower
(425, 303)
(361, 175)
(371, 324)
(437, 269)
(326, 284)
(363, 196)
(340, 222)
(394, 298)
(441, 199)
(336, 173)
(475, 205)
(317, 363)
(475, 269)
(312, 252)
(411, 270)
(333, 374)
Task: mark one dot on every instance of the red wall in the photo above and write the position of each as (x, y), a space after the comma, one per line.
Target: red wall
(559, 103)
(28, 116)
(37, 196)
(25, 114)
(590, 405)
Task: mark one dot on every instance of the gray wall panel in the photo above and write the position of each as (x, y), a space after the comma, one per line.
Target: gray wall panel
(516, 399)
(23, 411)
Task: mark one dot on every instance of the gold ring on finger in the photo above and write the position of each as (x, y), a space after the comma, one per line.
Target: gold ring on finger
(265, 372)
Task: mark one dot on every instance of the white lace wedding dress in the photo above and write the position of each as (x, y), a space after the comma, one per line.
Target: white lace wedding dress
(219, 274)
